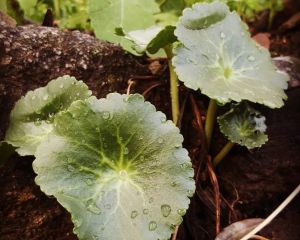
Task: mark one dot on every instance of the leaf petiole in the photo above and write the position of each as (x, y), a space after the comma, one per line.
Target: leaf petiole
(223, 153)
(173, 84)
(210, 120)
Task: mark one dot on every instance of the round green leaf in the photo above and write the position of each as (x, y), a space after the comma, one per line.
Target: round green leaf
(32, 117)
(118, 167)
(219, 57)
(244, 125)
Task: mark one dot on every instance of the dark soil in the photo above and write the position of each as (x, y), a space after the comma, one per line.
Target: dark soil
(253, 183)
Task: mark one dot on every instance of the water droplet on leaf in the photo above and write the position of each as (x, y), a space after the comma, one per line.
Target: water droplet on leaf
(165, 210)
(91, 206)
(251, 58)
(70, 168)
(45, 97)
(126, 150)
(152, 225)
(146, 211)
(106, 115)
(163, 119)
(190, 193)
(61, 86)
(134, 214)
(222, 35)
(181, 211)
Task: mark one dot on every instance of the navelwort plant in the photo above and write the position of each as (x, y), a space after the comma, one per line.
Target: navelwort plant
(208, 48)
(116, 164)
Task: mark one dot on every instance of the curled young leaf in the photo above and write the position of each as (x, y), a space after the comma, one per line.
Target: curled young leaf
(32, 117)
(151, 39)
(118, 167)
(244, 125)
(219, 57)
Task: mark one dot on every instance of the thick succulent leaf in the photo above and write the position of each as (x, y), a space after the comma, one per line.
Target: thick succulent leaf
(219, 57)
(32, 117)
(118, 167)
(108, 15)
(244, 125)
(151, 39)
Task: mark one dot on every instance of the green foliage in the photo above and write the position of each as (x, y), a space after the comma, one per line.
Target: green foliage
(219, 57)
(244, 125)
(32, 117)
(119, 167)
(108, 16)
(116, 164)
(69, 13)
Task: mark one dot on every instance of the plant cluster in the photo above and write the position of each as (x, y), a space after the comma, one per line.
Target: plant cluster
(116, 163)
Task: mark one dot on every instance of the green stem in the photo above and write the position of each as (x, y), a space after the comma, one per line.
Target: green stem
(223, 153)
(271, 17)
(57, 8)
(173, 85)
(210, 120)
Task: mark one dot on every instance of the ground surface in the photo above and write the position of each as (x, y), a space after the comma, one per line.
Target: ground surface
(254, 183)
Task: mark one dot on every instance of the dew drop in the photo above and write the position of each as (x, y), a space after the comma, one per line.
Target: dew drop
(251, 58)
(181, 211)
(45, 97)
(89, 182)
(70, 168)
(177, 145)
(146, 211)
(77, 94)
(134, 214)
(91, 206)
(126, 151)
(222, 35)
(184, 165)
(165, 210)
(123, 174)
(163, 119)
(95, 237)
(190, 193)
(37, 122)
(61, 86)
(152, 225)
(106, 115)
(160, 140)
